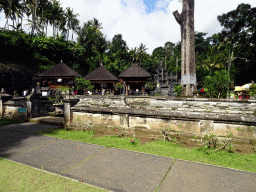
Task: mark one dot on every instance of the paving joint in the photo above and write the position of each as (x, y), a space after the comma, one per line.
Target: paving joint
(83, 161)
(167, 172)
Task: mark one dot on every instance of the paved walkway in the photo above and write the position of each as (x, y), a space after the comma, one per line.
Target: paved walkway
(116, 169)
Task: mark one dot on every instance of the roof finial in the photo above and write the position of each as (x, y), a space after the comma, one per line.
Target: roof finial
(101, 63)
(61, 61)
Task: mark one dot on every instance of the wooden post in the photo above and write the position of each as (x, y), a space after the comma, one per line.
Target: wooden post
(188, 68)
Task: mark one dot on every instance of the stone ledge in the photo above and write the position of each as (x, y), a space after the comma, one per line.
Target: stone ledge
(248, 119)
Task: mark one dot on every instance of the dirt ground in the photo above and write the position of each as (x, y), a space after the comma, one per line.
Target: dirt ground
(186, 140)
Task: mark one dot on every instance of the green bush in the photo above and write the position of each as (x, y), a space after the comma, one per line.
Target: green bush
(157, 94)
(252, 90)
(149, 85)
(119, 85)
(178, 90)
(217, 85)
(84, 84)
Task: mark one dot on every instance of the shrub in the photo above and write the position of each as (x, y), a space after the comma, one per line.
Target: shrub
(149, 85)
(252, 90)
(157, 94)
(81, 83)
(217, 84)
(178, 90)
(119, 85)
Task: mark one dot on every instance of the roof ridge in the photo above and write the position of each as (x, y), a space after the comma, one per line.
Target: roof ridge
(101, 73)
(60, 69)
(134, 71)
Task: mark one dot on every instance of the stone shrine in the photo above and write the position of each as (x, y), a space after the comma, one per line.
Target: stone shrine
(165, 82)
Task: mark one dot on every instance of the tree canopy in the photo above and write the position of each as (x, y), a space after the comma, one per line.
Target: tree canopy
(232, 49)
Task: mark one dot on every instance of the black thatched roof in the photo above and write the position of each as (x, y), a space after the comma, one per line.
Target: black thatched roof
(100, 74)
(59, 70)
(134, 71)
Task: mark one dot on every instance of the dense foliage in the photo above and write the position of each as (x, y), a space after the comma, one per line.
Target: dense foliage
(217, 84)
(231, 50)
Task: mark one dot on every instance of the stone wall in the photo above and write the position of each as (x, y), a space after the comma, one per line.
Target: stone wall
(35, 104)
(191, 115)
(157, 103)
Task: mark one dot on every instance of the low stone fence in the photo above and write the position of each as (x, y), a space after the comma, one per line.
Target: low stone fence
(235, 106)
(191, 115)
(32, 105)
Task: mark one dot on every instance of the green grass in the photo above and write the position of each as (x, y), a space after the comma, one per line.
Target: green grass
(4, 121)
(18, 177)
(221, 158)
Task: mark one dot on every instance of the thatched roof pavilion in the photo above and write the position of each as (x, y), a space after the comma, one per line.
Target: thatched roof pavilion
(59, 74)
(134, 71)
(135, 77)
(59, 70)
(102, 78)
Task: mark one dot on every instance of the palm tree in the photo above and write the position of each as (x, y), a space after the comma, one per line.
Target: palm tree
(43, 14)
(46, 15)
(141, 51)
(12, 9)
(100, 46)
(32, 6)
(134, 54)
(69, 16)
(97, 26)
(90, 32)
(56, 16)
(75, 26)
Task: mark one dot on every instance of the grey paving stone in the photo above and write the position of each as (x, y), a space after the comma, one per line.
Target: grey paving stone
(58, 156)
(28, 127)
(122, 170)
(190, 176)
(12, 142)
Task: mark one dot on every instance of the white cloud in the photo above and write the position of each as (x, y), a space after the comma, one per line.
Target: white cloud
(129, 18)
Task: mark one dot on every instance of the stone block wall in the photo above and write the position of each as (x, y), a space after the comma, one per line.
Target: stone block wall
(36, 105)
(167, 104)
(192, 115)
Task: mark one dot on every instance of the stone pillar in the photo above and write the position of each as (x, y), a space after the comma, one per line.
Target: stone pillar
(66, 111)
(29, 108)
(1, 106)
(29, 103)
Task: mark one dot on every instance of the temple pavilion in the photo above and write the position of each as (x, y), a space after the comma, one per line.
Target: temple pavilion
(101, 78)
(134, 79)
(59, 75)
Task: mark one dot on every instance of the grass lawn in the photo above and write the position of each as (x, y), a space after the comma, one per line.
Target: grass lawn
(18, 177)
(234, 160)
(4, 121)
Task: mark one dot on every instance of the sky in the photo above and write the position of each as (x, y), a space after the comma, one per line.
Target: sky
(150, 22)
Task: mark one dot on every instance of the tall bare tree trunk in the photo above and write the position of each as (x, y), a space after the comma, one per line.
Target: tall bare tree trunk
(188, 68)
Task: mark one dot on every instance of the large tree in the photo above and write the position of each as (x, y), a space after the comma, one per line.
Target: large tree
(239, 29)
(188, 69)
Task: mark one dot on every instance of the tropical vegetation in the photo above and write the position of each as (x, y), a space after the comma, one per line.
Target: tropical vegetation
(230, 52)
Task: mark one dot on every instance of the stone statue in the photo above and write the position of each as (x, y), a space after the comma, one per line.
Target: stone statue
(188, 68)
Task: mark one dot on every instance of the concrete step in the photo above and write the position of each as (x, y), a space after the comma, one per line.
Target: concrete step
(53, 120)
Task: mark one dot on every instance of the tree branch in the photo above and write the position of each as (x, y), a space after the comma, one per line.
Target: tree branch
(177, 16)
